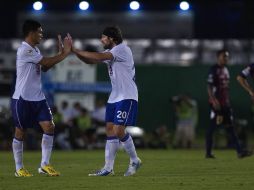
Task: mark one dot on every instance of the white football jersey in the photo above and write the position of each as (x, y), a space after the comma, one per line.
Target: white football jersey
(28, 81)
(122, 74)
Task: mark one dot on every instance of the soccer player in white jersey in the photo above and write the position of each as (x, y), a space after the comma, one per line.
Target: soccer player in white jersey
(121, 107)
(29, 106)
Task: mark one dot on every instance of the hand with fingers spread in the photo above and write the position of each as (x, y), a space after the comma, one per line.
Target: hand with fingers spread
(69, 37)
(67, 44)
(72, 46)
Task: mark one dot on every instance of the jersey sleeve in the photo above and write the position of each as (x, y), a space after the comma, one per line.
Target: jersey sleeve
(118, 54)
(32, 55)
(106, 61)
(247, 71)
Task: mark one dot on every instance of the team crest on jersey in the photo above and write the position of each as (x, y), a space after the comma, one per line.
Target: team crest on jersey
(29, 51)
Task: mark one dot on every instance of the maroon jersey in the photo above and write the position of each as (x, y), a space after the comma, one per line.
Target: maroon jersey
(218, 79)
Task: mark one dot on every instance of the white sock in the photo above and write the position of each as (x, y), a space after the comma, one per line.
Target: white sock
(129, 147)
(112, 145)
(46, 149)
(17, 148)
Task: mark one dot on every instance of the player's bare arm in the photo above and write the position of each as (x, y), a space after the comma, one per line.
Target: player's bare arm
(64, 50)
(212, 99)
(92, 57)
(82, 58)
(244, 83)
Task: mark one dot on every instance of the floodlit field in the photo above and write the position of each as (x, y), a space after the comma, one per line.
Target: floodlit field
(162, 169)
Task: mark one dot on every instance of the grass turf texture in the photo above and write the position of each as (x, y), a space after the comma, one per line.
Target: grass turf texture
(162, 169)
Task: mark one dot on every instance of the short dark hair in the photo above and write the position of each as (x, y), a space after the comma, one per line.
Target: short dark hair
(113, 32)
(221, 51)
(30, 26)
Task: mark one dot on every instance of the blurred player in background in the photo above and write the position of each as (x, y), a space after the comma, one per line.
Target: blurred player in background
(29, 106)
(242, 79)
(221, 111)
(121, 110)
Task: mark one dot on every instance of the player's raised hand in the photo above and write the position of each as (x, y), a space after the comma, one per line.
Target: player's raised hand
(60, 44)
(69, 37)
(72, 46)
(67, 43)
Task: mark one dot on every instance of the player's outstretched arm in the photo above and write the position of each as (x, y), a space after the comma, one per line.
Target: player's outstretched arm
(64, 50)
(244, 83)
(92, 57)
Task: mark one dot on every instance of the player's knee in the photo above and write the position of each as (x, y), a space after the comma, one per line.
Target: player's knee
(51, 128)
(48, 127)
(19, 134)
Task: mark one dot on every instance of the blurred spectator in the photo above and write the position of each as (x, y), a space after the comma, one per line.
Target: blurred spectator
(87, 132)
(62, 134)
(68, 120)
(160, 138)
(98, 115)
(58, 118)
(186, 120)
(66, 113)
(76, 111)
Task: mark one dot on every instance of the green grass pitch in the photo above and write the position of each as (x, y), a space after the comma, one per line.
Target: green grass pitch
(161, 169)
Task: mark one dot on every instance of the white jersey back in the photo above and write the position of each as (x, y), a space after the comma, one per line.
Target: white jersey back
(122, 74)
(28, 81)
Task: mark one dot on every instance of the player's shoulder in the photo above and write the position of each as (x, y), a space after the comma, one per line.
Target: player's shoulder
(24, 45)
(25, 50)
(121, 46)
(120, 49)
